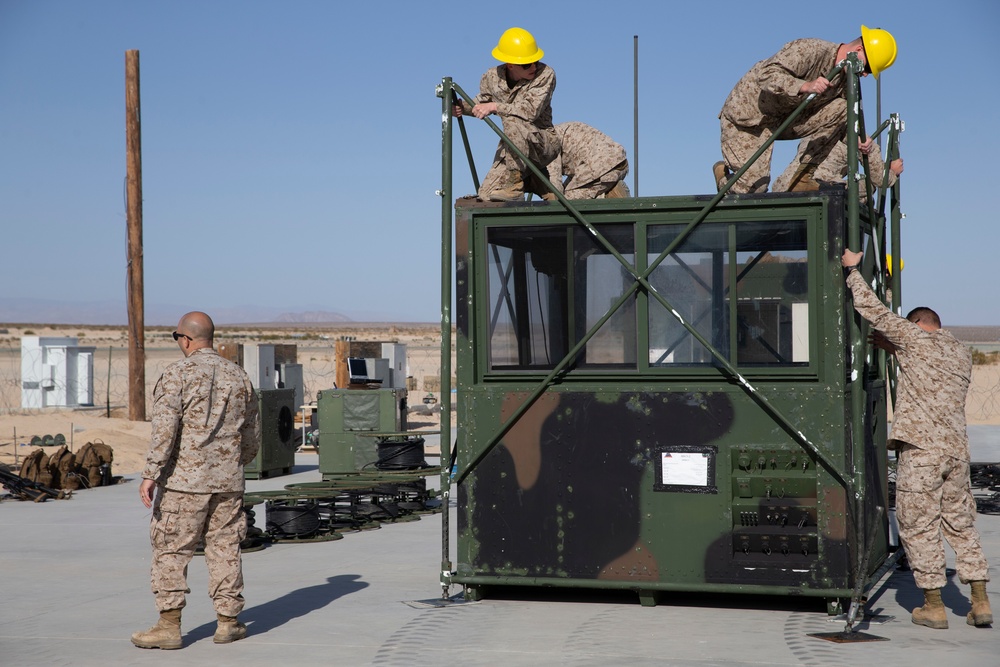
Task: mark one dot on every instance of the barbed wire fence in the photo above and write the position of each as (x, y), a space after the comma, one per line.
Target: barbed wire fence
(109, 393)
(983, 403)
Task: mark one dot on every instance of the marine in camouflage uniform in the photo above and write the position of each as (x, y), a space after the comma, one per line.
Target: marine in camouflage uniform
(593, 163)
(767, 95)
(834, 169)
(933, 491)
(205, 428)
(525, 109)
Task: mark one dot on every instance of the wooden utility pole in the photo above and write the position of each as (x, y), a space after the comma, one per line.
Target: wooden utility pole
(136, 319)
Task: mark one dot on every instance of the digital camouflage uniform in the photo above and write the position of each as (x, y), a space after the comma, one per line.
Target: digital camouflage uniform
(592, 162)
(834, 169)
(525, 109)
(205, 428)
(933, 491)
(767, 95)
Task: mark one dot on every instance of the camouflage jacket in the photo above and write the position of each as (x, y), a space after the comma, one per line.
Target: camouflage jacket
(769, 92)
(935, 370)
(587, 154)
(206, 425)
(529, 101)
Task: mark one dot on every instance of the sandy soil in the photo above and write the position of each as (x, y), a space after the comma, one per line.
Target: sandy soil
(315, 352)
(130, 440)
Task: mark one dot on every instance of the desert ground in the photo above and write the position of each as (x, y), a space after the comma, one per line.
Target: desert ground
(108, 420)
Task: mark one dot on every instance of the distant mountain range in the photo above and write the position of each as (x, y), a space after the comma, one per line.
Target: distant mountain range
(36, 311)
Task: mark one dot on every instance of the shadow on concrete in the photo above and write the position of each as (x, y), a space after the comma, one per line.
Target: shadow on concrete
(270, 615)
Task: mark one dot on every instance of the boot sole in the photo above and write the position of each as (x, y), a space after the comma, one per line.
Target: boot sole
(979, 621)
(936, 625)
(165, 646)
(227, 640)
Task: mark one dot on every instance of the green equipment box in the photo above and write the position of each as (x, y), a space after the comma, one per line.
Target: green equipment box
(277, 435)
(348, 420)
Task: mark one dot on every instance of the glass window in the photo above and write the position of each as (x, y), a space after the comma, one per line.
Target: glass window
(549, 285)
(527, 279)
(599, 280)
(692, 279)
(772, 287)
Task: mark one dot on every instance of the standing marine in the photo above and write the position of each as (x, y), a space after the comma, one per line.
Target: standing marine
(933, 491)
(205, 428)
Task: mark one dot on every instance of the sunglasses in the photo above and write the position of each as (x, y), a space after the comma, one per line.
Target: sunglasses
(177, 335)
(528, 65)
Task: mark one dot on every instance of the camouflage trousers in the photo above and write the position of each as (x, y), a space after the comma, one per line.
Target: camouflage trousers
(181, 523)
(934, 497)
(540, 146)
(599, 187)
(819, 131)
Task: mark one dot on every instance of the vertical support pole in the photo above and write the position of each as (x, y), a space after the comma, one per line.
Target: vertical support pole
(635, 115)
(856, 490)
(853, 105)
(895, 217)
(341, 373)
(107, 389)
(136, 318)
(447, 95)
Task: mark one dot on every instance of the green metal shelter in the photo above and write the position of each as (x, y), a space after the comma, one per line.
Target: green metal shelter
(668, 393)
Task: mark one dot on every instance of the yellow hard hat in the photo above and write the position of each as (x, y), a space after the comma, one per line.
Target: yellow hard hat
(880, 49)
(517, 47)
(888, 264)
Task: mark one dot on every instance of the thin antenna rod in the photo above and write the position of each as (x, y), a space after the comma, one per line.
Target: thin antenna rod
(635, 115)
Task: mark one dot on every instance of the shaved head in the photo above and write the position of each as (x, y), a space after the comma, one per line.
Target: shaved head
(199, 327)
(925, 318)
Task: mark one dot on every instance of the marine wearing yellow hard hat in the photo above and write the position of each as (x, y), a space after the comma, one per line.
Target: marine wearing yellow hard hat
(517, 46)
(880, 49)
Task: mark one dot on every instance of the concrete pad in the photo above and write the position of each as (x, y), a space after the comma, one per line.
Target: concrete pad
(76, 585)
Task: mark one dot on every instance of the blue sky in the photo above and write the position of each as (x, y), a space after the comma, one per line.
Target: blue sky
(291, 150)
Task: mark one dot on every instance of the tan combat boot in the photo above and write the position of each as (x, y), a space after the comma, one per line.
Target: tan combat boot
(933, 614)
(166, 634)
(981, 614)
(229, 630)
(513, 189)
(802, 180)
(620, 191)
(721, 173)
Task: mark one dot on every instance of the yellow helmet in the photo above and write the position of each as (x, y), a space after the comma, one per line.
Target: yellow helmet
(517, 47)
(888, 264)
(880, 49)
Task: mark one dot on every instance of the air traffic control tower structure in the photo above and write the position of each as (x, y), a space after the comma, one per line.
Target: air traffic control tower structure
(669, 393)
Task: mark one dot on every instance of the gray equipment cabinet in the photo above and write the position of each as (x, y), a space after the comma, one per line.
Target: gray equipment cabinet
(277, 437)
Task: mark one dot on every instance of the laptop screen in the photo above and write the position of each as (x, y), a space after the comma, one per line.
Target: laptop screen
(357, 367)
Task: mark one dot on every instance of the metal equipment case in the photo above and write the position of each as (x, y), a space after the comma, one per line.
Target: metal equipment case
(277, 441)
(348, 420)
